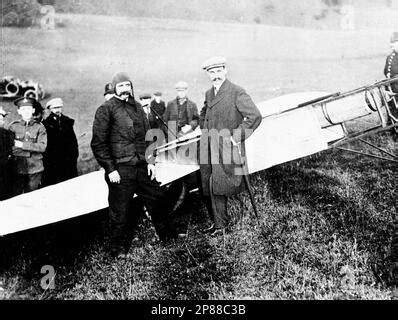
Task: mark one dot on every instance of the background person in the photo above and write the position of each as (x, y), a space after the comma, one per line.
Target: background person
(109, 91)
(145, 100)
(158, 107)
(182, 111)
(29, 145)
(60, 158)
(391, 65)
(6, 144)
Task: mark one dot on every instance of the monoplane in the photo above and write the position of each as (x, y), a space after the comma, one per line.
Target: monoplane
(294, 126)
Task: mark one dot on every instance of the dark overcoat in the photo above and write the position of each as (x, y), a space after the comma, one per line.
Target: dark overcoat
(231, 111)
(6, 144)
(60, 158)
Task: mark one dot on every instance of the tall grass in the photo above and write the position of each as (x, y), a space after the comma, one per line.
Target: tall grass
(324, 233)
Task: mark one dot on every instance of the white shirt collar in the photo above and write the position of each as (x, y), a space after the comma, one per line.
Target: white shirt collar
(217, 88)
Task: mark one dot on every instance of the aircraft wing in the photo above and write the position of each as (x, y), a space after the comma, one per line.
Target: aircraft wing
(293, 126)
(79, 196)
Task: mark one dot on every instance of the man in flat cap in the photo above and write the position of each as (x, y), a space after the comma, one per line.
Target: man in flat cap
(145, 100)
(6, 144)
(158, 107)
(119, 145)
(29, 145)
(109, 91)
(60, 158)
(228, 117)
(181, 112)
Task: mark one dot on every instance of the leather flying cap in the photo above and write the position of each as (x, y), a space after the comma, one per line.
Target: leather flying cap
(120, 77)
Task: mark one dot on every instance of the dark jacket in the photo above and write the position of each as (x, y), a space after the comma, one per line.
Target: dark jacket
(156, 115)
(159, 108)
(29, 158)
(60, 158)
(231, 109)
(119, 134)
(192, 116)
(391, 69)
(6, 143)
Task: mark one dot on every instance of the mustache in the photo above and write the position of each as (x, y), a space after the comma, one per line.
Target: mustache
(215, 79)
(124, 93)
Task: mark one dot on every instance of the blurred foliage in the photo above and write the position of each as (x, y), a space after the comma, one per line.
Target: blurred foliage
(21, 13)
(257, 11)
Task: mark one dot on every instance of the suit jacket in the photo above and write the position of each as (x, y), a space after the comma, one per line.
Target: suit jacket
(231, 113)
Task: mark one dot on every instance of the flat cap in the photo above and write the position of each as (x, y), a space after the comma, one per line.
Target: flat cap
(3, 112)
(56, 102)
(181, 85)
(214, 62)
(145, 96)
(158, 94)
(25, 101)
(394, 37)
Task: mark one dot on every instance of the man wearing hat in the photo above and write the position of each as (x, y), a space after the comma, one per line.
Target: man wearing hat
(109, 91)
(29, 145)
(145, 100)
(182, 112)
(60, 158)
(39, 111)
(6, 143)
(391, 71)
(158, 107)
(227, 119)
(119, 145)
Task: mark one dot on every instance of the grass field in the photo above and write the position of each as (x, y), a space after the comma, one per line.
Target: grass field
(326, 221)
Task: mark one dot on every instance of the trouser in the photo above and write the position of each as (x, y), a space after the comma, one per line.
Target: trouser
(24, 183)
(4, 181)
(218, 205)
(135, 179)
